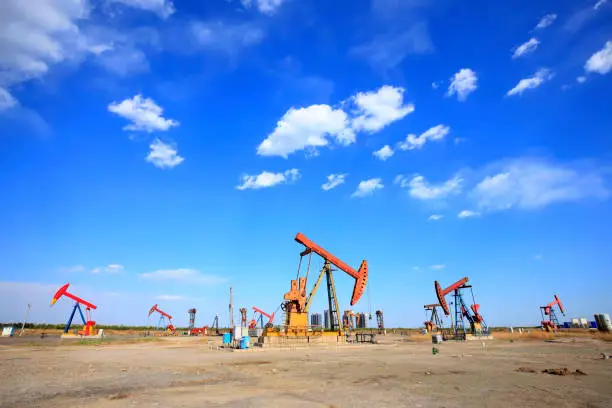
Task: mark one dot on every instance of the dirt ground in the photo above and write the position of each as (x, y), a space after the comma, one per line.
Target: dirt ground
(398, 372)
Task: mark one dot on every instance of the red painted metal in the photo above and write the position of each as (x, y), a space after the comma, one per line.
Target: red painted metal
(441, 293)
(63, 291)
(361, 276)
(154, 308)
(270, 317)
(549, 306)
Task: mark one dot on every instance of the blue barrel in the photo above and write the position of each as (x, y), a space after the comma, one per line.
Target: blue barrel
(245, 342)
(566, 325)
(593, 325)
(227, 338)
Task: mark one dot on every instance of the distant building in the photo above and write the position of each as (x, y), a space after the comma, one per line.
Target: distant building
(315, 319)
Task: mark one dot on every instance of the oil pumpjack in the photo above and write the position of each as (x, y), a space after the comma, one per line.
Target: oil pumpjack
(550, 322)
(478, 327)
(297, 302)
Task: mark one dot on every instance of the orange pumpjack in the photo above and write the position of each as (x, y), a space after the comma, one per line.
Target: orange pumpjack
(297, 303)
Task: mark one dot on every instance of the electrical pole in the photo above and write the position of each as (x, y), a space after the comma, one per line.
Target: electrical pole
(25, 320)
(231, 309)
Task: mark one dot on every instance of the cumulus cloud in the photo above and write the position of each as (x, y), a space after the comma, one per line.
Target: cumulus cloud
(546, 21)
(309, 127)
(377, 109)
(601, 61)
(526, 48)
(435, 217)
(319, 125)
(182, 275)
(581, 79)
(468, 214)
(435, 133)
(419, 188)
(268, 179)
(438, 266)
(384, 152)
(541, 76)
(333, 181)
(163, 155)
(36, 36)
(144, 113)
(163, 8)
(368, 187)
(532, 183)
(463, 83)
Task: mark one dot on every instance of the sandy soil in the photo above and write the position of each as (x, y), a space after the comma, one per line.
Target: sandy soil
(191, 372)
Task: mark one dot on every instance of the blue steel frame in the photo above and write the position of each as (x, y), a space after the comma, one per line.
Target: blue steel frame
(76, 307)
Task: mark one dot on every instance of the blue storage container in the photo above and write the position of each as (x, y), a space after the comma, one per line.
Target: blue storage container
(593, 324)
(245, 342)
(566, 325)
(227, 338)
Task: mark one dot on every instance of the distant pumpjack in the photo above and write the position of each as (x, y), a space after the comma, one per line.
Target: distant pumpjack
(550, 323)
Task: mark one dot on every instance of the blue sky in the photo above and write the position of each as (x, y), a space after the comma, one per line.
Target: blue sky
(158, 151)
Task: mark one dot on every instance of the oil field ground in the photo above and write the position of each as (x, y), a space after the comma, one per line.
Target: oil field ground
(401, 371)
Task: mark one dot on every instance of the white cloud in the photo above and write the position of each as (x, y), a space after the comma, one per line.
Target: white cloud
(417, 142)
(468, 214)
(526, 48)
(368, 187)
(226, 38)
(163, 8)
(163, 155)
(419, 188)
(169, 297)
(183, 275)
(601, 61)
(546, 21)
(387, 51)
(438, 267)
(333, 181)
(267, 179)
(384, 152)
(435, 217)
(7, 100)
(532, 183)
(581, 79)
(377, 109)
(537, 257)
(112, 268)
(144, 114)
(463, 83)
(436, 85)
(317, 125)
(599, 4)
(308, 127)
(123, 61)
(533, 82)
(72, 269)
(37, 34)
(264, 6)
